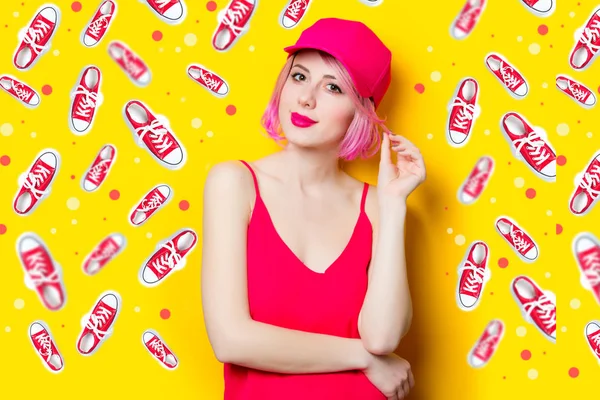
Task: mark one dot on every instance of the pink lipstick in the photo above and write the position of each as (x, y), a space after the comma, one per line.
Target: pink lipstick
(302, 121)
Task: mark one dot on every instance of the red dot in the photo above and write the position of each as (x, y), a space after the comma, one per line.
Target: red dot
(47, 89)
(72, 176)
(157, 35)
(573, 372)
(2, 229)
(559, 229)
(420, 88)
(503, 262)
(5, 160)
(230, 110)
(114, 194)
(165, 314)
(184, 205)
(598, 89)
(76, 6)
(561, 160)
(542, 29)
(525, 355)
(211, 6)
(530, 193)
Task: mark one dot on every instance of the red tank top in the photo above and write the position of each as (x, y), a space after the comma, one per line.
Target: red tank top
(283, 291)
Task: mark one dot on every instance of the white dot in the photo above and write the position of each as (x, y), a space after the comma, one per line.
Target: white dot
(74, 221)
(544, 85)
(196, 123)
(449, 230)
(136, 309)
(177, 49)
(549, 213)
(430, 136)
(161, 50)
(589, 134)
(532, 374)
(33, 134)
(149, 235)
(210, 134)
(563, 329)
(6, 129)
(7, 329)
(493, 200)
(571, 14)
(486, 132)
(136, 160)
(519, 38)
(459, 240)
(519, 182)
(521, 331)
(429, 49)
(547, 275)
(562, 129)
(575, 304)
(534, 48)
(182, 99)
(436, 76)
(189, 39)
(16, 14)
(53, 231)
(73, 203)
(251, 48)
(56, 52)
(19, 304)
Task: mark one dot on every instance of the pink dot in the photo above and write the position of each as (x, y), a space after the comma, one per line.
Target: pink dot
(165, 314)
(2, 229)
(184, 205)
(5, 160)
(530, 193)
(230, 110)
(598, 89)
(561, 160)
(503, 262)
(542, 29)
(559, 229)
(47, 89)
(211, 6)
(76, 6)
(114, 194)
(573, 372)
(157, 35)
(525, 355)
(72, 176)
(420, 88)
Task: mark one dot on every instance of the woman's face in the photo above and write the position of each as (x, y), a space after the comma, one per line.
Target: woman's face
(313, 111)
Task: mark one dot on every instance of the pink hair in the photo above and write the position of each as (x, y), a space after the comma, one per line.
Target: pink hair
(362, 139)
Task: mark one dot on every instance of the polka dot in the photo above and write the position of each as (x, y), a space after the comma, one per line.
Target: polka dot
(53, 231)
(563, 329)
(562, 129)
(210, 134)
(542, 29)
(561, 160)
(521, 331)
(486, 132)
(114, 194)
(19, 304)
(136, 309)
(149, 235)
(493, 200)
(436, 76)
(184, 205)
(544, 85)
(572, 14)
(55, 52)
(76, 6)
(251, 48)
(190, 39)
(419, 88)
(4, 160)
(534, 48)
(196, 123)
(177, 49)
(559, 229)
(519, 38)
(74, 221)
(16, 14)
(73, 203)
(33, 134)
(459, 240)
(530, 193)
(532, 374)
(165, 313)
(525, 355)
(519, 182)
(503, 262)
(449, 230)
(575, 304)
(157, 36)
(430, 136)
(573, 372)
(47, 90)
(211, 6)
(230, 110)
(429, 49)
(136, 160)
(7, 329)
(6, 129)
(547, 274)
(589, 134)
(3, 229)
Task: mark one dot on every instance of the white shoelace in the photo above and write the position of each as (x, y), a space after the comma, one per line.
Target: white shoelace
(148, 205)
(158, 133)
(519, 242)
(169, 260)
(484, 346)
(36, 33)
(97, 320)
(535, 147)
(596, 340)
(109, 250)
(38, 269)
(162, 3)
(465, 18)
(159, 348)
(209, 80)
(294, 9)
(35, 179)
(98, 25)
(464, 115)
(132, 67)
(544, 308)
(591, 264)
(20, 90)
(475, 278)
(590, 180)
(46, 346)
(87, 103)
(591, 35)
(234, 15)
(510, 78)
(578, 92)
(98, 170)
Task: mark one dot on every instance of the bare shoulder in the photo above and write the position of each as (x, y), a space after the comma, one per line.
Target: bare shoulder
(372, 206)
(229, 178)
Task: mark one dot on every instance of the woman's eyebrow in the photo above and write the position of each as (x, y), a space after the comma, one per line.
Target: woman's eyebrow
(306, 69)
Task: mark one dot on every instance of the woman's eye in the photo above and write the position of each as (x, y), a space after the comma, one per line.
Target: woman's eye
(335, 88)
(298, 75)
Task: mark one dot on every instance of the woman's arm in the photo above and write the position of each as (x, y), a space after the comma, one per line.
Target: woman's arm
(234, 336)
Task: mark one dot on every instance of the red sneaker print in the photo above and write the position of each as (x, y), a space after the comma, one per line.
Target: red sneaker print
(234, 22)
(106, 250)
(154, 134)
(587, 188)
(530, 144)
(477, 181)
(541, 8)
(537, 306)
(467, 19)
(36, 183)
(20, 91)
(35, 38)
(576, 91)
(508, 75)
(42, 273)
(101, 166)
(520, 241)
(45, 347)
(208, 80)
(85, 100)
(487, 344)
(170, 11)
(153, 201)
(587, 43)
(170, 256)
(96, 29)
(159, 350)
(130, 63)
(586, 249)
(293, 13)
(473, 275)
(98, 323)
(592, 334)
(464, 110)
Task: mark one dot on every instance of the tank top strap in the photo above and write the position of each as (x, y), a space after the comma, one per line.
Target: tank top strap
(253, 177)
(364, 197)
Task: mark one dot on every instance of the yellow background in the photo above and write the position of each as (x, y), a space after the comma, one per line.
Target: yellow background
(418, 34)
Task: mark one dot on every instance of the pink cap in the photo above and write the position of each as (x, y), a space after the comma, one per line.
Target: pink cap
(366, 58)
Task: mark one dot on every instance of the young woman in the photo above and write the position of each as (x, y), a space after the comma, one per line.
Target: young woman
(304, 282)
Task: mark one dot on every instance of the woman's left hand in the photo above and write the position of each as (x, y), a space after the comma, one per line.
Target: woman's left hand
(397, 180)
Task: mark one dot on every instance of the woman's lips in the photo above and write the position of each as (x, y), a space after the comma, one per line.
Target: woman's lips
(301, 121)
